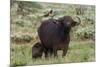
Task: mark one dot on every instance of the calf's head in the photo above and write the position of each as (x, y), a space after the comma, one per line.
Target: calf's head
(37, 50)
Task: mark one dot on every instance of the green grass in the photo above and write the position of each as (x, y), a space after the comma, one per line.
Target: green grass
(79, 51)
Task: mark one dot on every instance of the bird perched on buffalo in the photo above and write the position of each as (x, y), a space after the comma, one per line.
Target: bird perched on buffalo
(49, 14)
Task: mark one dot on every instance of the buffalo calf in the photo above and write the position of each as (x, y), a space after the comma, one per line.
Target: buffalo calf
(37, 50)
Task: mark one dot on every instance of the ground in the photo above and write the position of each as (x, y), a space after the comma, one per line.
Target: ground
(79, 51)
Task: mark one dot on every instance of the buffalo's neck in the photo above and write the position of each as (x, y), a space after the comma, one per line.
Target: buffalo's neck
(65, 33)
(67, 30)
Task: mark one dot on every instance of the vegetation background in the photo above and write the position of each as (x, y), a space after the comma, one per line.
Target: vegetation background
(26, 17)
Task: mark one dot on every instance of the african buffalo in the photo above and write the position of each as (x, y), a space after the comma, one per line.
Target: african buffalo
(37, 50)
(55, 34)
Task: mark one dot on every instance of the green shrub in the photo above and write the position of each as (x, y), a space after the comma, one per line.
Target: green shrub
(86, 32)
(19, 23)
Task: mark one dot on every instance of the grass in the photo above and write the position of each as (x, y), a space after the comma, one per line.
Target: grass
(79, 51)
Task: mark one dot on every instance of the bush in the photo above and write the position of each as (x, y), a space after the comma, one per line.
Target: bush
(86, 33)
(19, 23)
(22, 38)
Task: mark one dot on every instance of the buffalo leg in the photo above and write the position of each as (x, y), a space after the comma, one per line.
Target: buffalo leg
(46, 53)
(55, 52)
(64, 52)
(51, 52)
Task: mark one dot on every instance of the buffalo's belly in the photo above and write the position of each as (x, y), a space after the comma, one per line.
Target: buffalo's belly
(55, 44)
(61, 46)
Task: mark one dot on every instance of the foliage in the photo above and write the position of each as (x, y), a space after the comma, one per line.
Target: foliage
(31, 20)
(86, 33)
